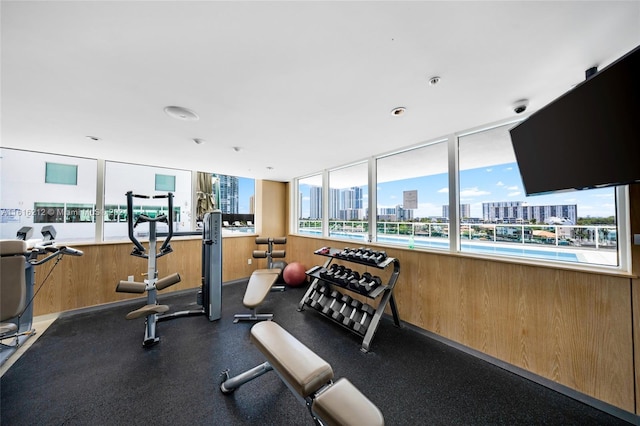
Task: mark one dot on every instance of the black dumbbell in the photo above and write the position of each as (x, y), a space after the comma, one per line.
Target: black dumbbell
(352, 279)
(344, 252)
(314, 294)
(372, 283)
(317, 303)
(334, 270)
(327, 309)
(323, 272)
(369, 255)
(344, 278)
(363, 322)
(349, 321)
(338, 314)
(382, 256)
(366, 277)
(314, 290)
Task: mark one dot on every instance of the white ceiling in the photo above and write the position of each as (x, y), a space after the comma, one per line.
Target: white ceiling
(297, 86)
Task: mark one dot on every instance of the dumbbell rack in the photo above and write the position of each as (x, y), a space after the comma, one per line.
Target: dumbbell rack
(382, 291)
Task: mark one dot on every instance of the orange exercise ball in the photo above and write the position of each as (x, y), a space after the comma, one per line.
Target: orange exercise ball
(294, 274)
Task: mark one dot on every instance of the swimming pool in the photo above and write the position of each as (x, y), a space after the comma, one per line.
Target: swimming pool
(481, 248)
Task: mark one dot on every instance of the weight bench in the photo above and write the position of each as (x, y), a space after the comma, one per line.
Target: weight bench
(259, 285)
(309, 377)
(262, 281)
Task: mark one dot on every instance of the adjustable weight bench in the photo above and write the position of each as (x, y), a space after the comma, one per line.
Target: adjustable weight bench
(259, 285)
(262, 281)
(309, 377)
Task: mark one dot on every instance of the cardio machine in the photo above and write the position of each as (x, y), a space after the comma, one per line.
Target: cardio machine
(18, 259)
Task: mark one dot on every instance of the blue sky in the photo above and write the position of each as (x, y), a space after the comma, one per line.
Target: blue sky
(246, 188)
(493, 184)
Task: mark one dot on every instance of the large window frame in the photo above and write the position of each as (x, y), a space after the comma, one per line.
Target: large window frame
(83, 213)
(456, 233)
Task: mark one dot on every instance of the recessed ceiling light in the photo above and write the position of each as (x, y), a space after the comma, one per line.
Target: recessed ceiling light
(434, 80)
(181, 113)
(199, 141)
(398, 111)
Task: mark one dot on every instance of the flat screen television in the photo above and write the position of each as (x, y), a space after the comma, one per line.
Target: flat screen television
(588, 137)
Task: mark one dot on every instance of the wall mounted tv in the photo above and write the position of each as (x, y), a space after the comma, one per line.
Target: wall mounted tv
(588, 137)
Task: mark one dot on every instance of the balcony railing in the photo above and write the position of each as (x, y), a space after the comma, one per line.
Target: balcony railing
(474, 236)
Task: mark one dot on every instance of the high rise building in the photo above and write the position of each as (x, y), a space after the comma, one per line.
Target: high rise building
(229, 193)
(315, 202)
(517, 211)
(465, 211)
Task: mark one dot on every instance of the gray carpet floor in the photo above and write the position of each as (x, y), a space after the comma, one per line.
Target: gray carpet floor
(90, 368)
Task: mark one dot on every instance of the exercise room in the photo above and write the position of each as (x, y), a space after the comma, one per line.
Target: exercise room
(320, 213)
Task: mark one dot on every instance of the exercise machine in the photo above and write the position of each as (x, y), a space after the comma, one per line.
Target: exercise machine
(271, 253)
(212, 265)
(308, 377)
(18, 259)
(210, 295)
(262, 281)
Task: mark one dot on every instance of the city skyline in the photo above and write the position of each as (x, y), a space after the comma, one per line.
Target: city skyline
(499, 183)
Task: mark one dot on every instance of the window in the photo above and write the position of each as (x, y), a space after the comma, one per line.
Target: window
(29, 200)
(48, 212)
(494, 217)
(79, 213)
(348, 202)
(235, 197)
(310, 205)
(497, 217)
(65, 174)
(118, 181)
(413, 196)
(165, 183)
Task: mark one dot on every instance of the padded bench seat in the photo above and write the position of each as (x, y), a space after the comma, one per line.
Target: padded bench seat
(259, 286)
(309, 377)
(344, 404)
(147, 310)
(305, 371)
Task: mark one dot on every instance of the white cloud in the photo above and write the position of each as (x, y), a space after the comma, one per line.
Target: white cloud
(473, 192)
(499, 183)
(514, 194)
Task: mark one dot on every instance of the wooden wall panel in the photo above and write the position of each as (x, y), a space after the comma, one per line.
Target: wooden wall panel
(79, 282)
(271, 199)
(570, 327)
(577, 329)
